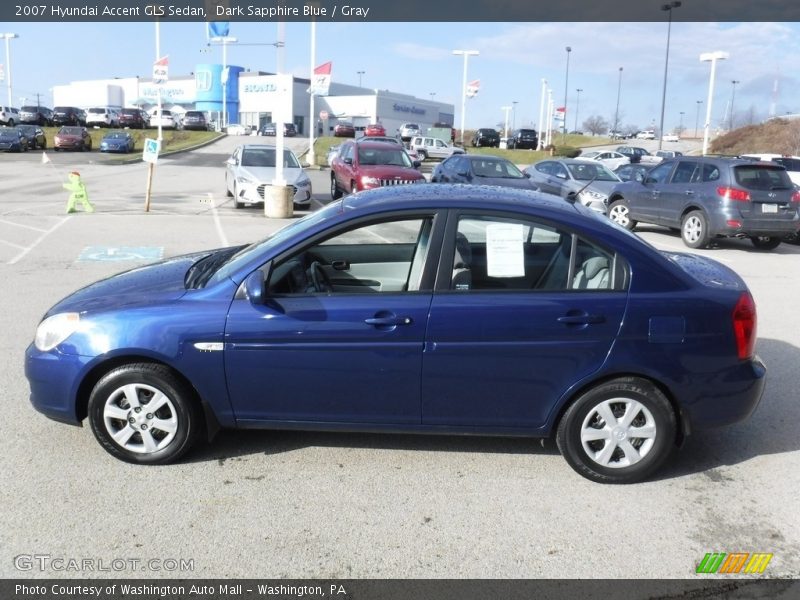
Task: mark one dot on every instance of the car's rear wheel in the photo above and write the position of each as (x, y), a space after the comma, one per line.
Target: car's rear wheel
(423, 155)
(619, 212)
(763, 242)
(618, 432)
(694, 230)
(336, 193)
(142, 413)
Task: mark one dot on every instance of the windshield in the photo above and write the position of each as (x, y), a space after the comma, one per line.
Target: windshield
(70, 131)
(117, 135)
(246, 254)
(496, 168)
(597, 172)
(265, 157)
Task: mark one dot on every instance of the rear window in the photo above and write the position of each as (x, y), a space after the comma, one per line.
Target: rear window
(527, 132)
(758, 177)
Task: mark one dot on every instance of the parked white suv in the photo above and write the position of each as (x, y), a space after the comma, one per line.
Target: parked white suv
(167, 118)
(102, 116)
(9, 116)
(430, 147)
(647, 134)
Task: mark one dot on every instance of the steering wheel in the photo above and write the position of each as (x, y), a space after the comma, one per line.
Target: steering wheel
(319, 278)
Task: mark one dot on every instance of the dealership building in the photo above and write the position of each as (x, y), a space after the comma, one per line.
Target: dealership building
(255, 98)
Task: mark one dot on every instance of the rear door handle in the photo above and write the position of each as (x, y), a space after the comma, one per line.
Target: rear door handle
(582, 319)
(388, 321)
(689, 193)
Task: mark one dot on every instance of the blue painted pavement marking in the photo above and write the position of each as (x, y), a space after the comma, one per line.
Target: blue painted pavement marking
(121, 253)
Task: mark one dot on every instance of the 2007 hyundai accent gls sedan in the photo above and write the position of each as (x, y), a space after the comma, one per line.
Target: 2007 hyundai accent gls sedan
(443, 309)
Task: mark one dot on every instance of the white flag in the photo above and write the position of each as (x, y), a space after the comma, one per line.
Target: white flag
(45, 158)
(472, 88)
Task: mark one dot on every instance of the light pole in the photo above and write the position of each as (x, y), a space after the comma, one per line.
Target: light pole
(566, 95)
(224, 40)
(577, 106)
(514, 114)
(433, 95)
(680, 126)
(360, 73)
(711, 57)
(733, 97)
(466, 54)
(541, 134)
(668, 8)
(697, 118)
(7, 37)
(616, 112)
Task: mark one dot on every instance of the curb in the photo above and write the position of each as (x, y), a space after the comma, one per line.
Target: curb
(131, 161)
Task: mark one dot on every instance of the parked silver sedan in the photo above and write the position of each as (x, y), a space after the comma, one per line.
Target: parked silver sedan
(590, 180)
(251, 169)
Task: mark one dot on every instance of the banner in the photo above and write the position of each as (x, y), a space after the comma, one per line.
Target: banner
(161, 70)
(473, 87)
(321, 81)
(560, 113)
(218, 29)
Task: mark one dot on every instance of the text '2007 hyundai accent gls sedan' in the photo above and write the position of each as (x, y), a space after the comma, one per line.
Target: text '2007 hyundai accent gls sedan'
(430, 309)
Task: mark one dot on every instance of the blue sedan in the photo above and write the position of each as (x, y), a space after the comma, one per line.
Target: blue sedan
(117, 141)
(443, 309)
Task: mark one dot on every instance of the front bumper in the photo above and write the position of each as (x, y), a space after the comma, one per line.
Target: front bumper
(254, 193)
(54, 379)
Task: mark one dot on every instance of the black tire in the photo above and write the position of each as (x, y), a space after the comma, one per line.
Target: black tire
(606, 456)
(336, 193)
(765, 242)
(10, 123)
(694, 230)
(619, 212)
(228, 193)
(112, 412)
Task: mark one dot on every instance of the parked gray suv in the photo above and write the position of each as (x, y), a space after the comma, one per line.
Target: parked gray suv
(705, 197)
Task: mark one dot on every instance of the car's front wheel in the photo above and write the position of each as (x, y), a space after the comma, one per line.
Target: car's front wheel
(694, 230)
(620, 213)
(336, 193)
(618, 432)
(763, 242)
(142, 413)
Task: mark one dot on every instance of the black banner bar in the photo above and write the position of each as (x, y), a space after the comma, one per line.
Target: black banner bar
(733, 587)
(397, 10)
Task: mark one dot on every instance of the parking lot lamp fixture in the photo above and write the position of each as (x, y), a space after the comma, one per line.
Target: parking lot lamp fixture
(360, 73)
(668, 8)
(566, 95)
(8, 37)
(466, 54)
(711, 57)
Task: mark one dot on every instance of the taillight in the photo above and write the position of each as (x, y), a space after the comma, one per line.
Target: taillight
(734, 194)
(796, 197)
(744, 326)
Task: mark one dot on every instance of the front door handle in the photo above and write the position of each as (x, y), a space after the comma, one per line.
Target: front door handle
(583, 319)
(389, 321)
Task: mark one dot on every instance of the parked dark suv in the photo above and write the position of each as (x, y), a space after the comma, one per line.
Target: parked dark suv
(68, 115)
(523, 139)
(486, 137)
(134, 118)
(707, 196)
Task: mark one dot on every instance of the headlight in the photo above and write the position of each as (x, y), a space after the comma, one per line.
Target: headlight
(303, 181)
(54, 330)
(592, 195)
(367, 180)
(243, 179)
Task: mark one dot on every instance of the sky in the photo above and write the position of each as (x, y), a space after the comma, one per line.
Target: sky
(417, 59)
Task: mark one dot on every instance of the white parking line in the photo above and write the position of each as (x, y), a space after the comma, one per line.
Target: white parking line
(22, 254)
(217, 223)
(23, 226)
(13, 245)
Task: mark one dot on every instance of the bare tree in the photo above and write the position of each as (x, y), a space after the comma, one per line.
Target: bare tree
(595, 125)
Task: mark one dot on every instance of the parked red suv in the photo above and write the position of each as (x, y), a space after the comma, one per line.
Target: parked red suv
(366, 165)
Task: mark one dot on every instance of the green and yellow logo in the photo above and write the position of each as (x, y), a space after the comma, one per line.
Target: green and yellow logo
(737, 562)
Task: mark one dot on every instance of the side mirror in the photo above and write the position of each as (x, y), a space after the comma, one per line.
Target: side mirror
(649, 180)
(231, 161)
(528, 175)
(639, 177)
(463, 173)
(417, 164)
(254, 287)
(561, 175)
(348, 160)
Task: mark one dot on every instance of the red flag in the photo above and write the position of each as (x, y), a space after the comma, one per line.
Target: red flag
(321, 81)
(473, 87)
(324, 69)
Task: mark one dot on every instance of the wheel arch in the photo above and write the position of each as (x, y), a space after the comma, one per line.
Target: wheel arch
(210, 422)
(682, 430)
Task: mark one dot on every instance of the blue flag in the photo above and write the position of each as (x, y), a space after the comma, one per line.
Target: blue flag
(218, 28)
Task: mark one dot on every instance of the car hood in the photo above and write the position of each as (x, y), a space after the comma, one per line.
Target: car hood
(140, 286)
(267, 174)
(8, 137)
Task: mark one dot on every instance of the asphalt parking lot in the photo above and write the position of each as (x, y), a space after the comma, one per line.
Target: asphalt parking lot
(294, 504)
